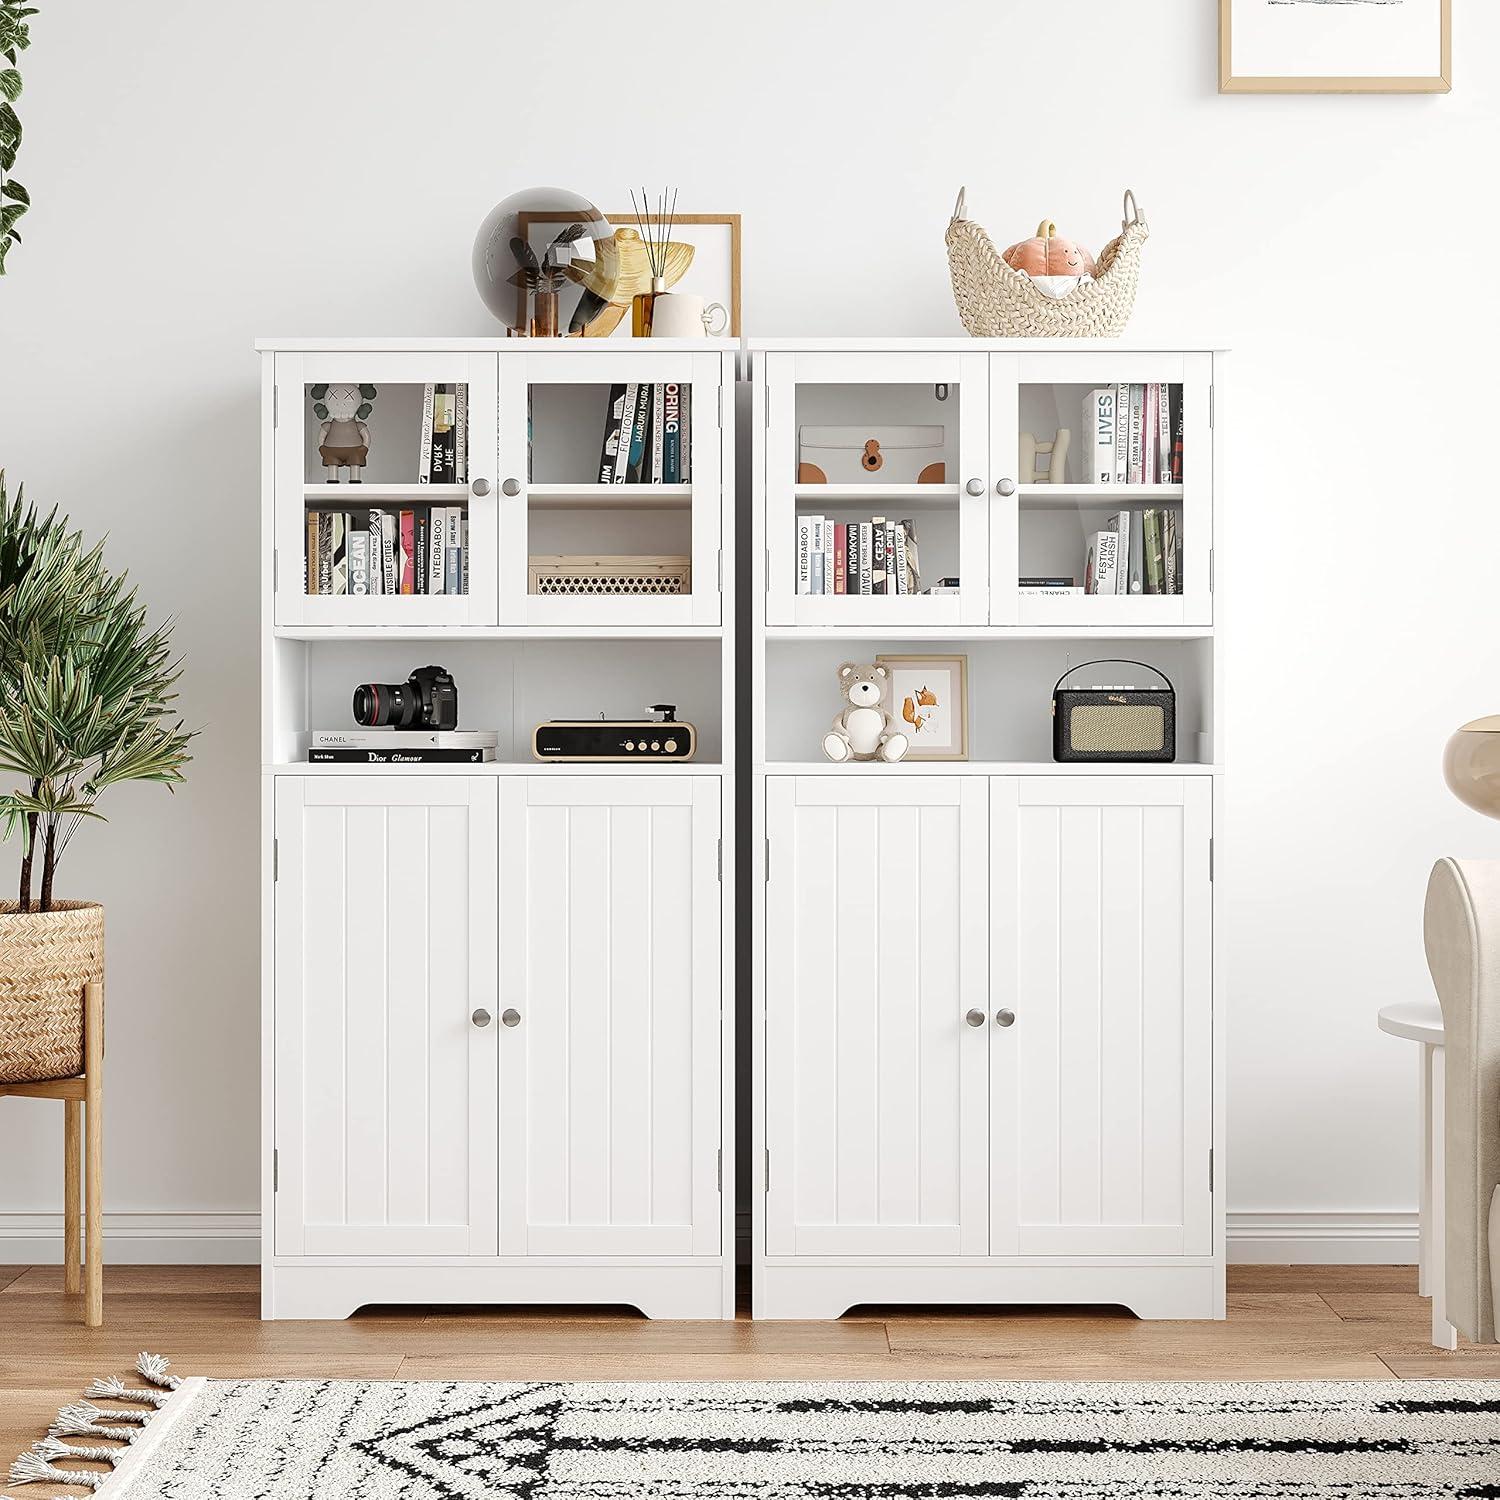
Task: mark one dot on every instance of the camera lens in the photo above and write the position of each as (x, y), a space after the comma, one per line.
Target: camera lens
(379, 704)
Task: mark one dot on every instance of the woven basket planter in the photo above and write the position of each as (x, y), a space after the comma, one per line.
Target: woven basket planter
(997, 302)
(46, 958)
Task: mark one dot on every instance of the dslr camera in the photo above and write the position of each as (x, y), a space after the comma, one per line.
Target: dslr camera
(428, 699)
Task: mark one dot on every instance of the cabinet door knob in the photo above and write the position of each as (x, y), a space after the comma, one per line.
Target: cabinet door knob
(480, 1018)
(480, 486)
(975, 486)
(1005, 487)
(1005, 1017)
(975, 1018)
(510, 1018)
(512, 486)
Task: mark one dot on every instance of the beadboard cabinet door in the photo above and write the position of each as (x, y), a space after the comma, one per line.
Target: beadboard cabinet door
(876, 1034)
(385, 947)
(1101, 1086)
(610, 991)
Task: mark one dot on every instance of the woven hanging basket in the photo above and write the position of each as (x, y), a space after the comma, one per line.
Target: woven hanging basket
(997, 302)
(46, 958)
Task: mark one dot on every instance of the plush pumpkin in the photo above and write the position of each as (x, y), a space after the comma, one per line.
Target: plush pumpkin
(1047, 253)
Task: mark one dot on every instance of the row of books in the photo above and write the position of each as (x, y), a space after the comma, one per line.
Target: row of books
(646, 435)
(1132, 434)
(403, 747)
(857, 557)
(1136, 552)
(444, 455)
(422, 550)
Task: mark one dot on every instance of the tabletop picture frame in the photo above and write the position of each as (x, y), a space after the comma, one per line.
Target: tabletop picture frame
(1335, 46)
(930, 704)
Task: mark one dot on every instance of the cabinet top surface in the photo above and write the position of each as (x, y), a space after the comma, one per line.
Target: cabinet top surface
(437, 345)
(983, 346)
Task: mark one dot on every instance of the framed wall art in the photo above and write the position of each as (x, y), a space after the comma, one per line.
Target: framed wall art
(930, 704)
(1335, 46)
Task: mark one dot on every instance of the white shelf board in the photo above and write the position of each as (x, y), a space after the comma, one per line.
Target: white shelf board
(986, 768)
(916, 631)
(498, 632)
(605, 497)
(428, 494)
(845, 494)
(502, 768)
(1113, 496)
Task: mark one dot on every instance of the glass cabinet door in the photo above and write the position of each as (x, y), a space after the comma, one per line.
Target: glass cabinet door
(875, 488)
(385, 500)
(611, 487)
(1101, 506)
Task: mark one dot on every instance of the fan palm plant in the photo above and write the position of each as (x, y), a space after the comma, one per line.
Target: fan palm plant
(86, 689)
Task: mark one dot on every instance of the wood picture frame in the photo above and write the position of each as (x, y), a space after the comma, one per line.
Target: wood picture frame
(914, 673)
(1263, 82)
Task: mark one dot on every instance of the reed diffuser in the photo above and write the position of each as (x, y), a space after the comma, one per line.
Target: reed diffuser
(656, 233)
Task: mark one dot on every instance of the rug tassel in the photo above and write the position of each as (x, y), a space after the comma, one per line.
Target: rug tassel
(154, 1368)
(31, 1468)
(50, 1448)
(82, 1420)
(113, 1388)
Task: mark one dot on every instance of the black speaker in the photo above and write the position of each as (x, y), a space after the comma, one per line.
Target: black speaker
(1114, 721)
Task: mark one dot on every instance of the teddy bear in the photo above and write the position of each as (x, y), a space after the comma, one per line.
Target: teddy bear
(864, 730)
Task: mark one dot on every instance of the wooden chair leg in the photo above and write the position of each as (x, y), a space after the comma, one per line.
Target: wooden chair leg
(72, 1190)
(93, 1049)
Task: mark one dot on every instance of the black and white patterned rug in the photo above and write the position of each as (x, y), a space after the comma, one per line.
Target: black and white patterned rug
(463, 1440)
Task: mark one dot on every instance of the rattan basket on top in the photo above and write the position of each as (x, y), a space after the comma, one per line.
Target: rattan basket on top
(997, 302)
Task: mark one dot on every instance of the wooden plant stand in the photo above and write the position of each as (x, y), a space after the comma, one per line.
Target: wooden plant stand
(83, 1136)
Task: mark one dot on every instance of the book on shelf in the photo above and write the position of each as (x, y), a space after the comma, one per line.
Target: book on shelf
(1102, 562)
(1046, 581)
(1122, 433)
(358, 548)
(310, 555)
(1099, 436)
(461, 433)
(405, 739)
(389, 538)
(325, 552)
(646, 432)
(866, 557)
(621, 472)
(898, 533)
(375, 521)
(1164, 433)
(1175, 402)
(672, 430)
(1169, 557)
(376, 551)
(1137, 455)
(421, 517)
(817, 554)
(1119, 523)
(637, 466)
(463, 554)
(614, 426)
(393, 756)
(1133, 434)
(452, 550)
(1033, 590)
(406, 560)
(878, 556)
(840, 557)
(804, 554)
(424, 453)
(1151, 530)
(658, 421)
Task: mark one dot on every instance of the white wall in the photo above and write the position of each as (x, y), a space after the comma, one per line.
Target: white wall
(204, 173)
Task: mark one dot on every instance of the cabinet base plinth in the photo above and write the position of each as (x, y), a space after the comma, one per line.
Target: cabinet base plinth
(337, 1291)
(799, 1291)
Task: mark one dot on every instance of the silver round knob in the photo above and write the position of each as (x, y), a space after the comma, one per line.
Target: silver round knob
(480, 487)
(1005, 1017)
(975, 486)
(975, 1018)
(512, 486)
(480, 1018)
(510, 1018)
(1005, 487)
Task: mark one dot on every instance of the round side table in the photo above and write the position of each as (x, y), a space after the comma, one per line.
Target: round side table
(1421, 1021)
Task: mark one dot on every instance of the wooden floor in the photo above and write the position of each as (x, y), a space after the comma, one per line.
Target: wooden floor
(1291, 1323)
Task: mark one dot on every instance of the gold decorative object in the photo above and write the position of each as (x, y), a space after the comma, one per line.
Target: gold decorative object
(621, 271)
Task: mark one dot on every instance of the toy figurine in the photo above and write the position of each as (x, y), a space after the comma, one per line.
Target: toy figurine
(863, 729)
(343, 439)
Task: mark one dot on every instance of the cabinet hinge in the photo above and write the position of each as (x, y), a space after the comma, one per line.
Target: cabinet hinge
(1210, 406)
(1210, 570)
(276, 1171)
(1210, 861)
(719, 1169)
(1210, 1169)
(275, 406)
(275, 860)
(768, 1169)
(721, 569)
(768, 861)
(768, 570)
(721, 861)
(721, 406)
(275, 570)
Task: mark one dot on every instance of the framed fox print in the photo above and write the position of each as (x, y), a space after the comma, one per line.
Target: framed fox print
(1335, 46)
(930, 704)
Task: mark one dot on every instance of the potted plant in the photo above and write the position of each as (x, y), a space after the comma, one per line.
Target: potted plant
(86, 694)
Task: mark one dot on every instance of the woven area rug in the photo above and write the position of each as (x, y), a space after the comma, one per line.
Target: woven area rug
(463, 1440)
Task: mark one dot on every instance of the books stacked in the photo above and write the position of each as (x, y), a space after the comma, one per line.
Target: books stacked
(647, 435)
(1135, 552)
(857, 557)
(421, 550)
(1132, 434)
(444, 455)
(403, 747)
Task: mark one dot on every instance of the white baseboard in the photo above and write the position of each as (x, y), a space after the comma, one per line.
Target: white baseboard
(1323, 1239)
(138, 1239)
(1343, 1239)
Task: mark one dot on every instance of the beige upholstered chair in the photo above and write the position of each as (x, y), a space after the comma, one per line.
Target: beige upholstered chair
(1462, 929)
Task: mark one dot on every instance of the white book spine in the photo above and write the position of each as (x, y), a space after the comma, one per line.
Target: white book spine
(1122, 433)
(890, 557)
(903, 583)
(804, 554)
(1120, 524)
(463, 552)
(1099, 436)
(622, 450)
(377, 552)
(359, 562)
(388, 552)
(424, 457)
(816, 550)
(866, 557)
(658, 418)
(1137, 433)
(461, 434)
(1104, 550)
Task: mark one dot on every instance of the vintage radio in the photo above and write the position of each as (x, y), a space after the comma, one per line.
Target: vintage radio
(1114, 721)
(662, 738)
